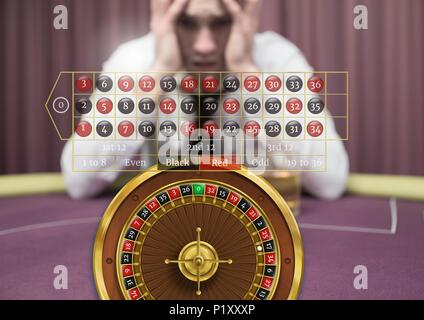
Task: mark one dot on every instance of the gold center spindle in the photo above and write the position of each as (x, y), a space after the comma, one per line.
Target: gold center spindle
(198, 261)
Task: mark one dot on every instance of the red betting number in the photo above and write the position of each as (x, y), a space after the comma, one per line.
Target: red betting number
(231, 105)
(252, 128)
(252, 83)
(84, 84)
(125, 83)
(315, 84)
(104, 105)
(273, 83)
(315, 128)
(168, 105)
(210, 84)
(210, 126)
(146, 83)
(126, 129)
(83, 129)
(189, 84)
(294, 105)
(187, 128)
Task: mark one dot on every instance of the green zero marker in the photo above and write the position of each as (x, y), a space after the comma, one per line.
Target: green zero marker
(199, 189)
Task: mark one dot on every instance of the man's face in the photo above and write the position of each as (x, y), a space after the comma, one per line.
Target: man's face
(203, 30)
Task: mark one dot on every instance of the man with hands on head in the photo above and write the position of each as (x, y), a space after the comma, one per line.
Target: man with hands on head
(204, 35)
(213, 35)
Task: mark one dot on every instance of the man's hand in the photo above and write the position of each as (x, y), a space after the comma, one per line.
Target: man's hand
(239, 51)
(164, 17)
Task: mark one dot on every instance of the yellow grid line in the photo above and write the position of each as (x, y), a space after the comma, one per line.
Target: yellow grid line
(73, 118)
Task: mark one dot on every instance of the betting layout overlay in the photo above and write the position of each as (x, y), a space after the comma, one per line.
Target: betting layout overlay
(177, 235)
(124, 121)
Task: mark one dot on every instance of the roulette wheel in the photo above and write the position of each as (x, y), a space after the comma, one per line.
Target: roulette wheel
(189, 235)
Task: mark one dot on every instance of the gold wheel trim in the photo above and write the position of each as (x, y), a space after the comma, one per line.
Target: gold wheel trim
(153, 171)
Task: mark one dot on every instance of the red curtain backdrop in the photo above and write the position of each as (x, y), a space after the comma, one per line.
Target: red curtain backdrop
(385, 64)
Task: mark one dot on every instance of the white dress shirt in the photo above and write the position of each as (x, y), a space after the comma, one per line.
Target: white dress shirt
(271, 52)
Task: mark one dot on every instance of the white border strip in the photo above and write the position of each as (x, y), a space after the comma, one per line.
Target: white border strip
(391, 231)
(61, 223)
(52, 224)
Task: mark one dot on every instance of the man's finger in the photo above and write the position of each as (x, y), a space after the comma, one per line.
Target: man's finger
(176, 8)
(252, 8)
(159, 7)
(234, 8)
(154, 5)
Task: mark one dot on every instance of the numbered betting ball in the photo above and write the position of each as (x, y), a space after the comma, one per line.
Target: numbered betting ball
(273, 105)
(104, 105)
(168, 84)
(125, 83)
(252, 128)
(252, 83)
(294, 105)
(126, 129)
(210, 84)
(168, 129)
(294, 84)
(252, 105)
(209, 106)
(273, 83)
(272, 129)
(315, 129)
(146, 129)
(231, 105)
(294, 128)
(189, 105)
(315, 105)
(83, 129)
(146, 105)
(104, 129)
(210, 126)
(83, 106)
(315, 84)
(231, 83)
(126, 105)
(146, 84)
(84, 84)
(231, 128)
(104, 83)
(189, 84)
(167, 105)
